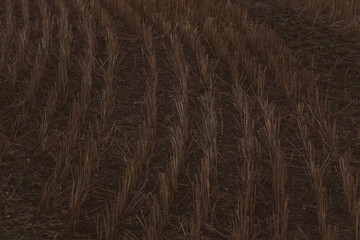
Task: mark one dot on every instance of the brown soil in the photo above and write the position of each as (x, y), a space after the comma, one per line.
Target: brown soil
(26, 163)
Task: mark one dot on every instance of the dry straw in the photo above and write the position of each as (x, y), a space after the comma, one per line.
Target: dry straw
(81, 186)
(243, 227)
(65, 39)
(207, 136)
(257, 60)
(139, 163)
(21, 44)
(350, 186)
(178, 137)
(46, 26)
(317, 172)
(278, 164)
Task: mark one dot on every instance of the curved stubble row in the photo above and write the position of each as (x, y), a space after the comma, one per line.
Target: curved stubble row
(88, 153)
(332, 149)
(139, 163)
(169, 181)
(270, 52)
(236, 41)
(201, 201)
(317, 105)
(16, 51)
(336, 41)
(206, 138)
(77, 114)
(342, 134)
(132, 178)
(159, 217)
(190, 33)
(98, 132)
(27, 65)
(69, 149)
(326, 149)
(292, 90)
(319, 116)
(195, 42)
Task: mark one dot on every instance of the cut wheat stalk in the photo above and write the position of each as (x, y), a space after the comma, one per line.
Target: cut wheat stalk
(127, 185)
(53, 183)
(112, 51)
(81, 186)
(20, 57)
(178, 137)
(21, 46)
(145, 143)
(350, 186)
(80, 191)
(317, 172)
(154, 227)
(207, 137)
(209, 126)
(78, 108)
(152, 82)
(269, 46)
(65, 39)
(224, 45)
(89, 155)
(67, 150)
(320, 119)
(179, 132)
(48, 112)
(271, 133)
(47, 22)
(319, 107)
(34, 84)
(87, 63)
(207, 141)
(26, 20)
(108, 72)
(243, 227)
(182, 74)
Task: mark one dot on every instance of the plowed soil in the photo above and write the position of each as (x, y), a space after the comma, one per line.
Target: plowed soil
(330, 52)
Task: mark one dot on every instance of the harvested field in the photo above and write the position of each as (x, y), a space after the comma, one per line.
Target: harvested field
(179, 119)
